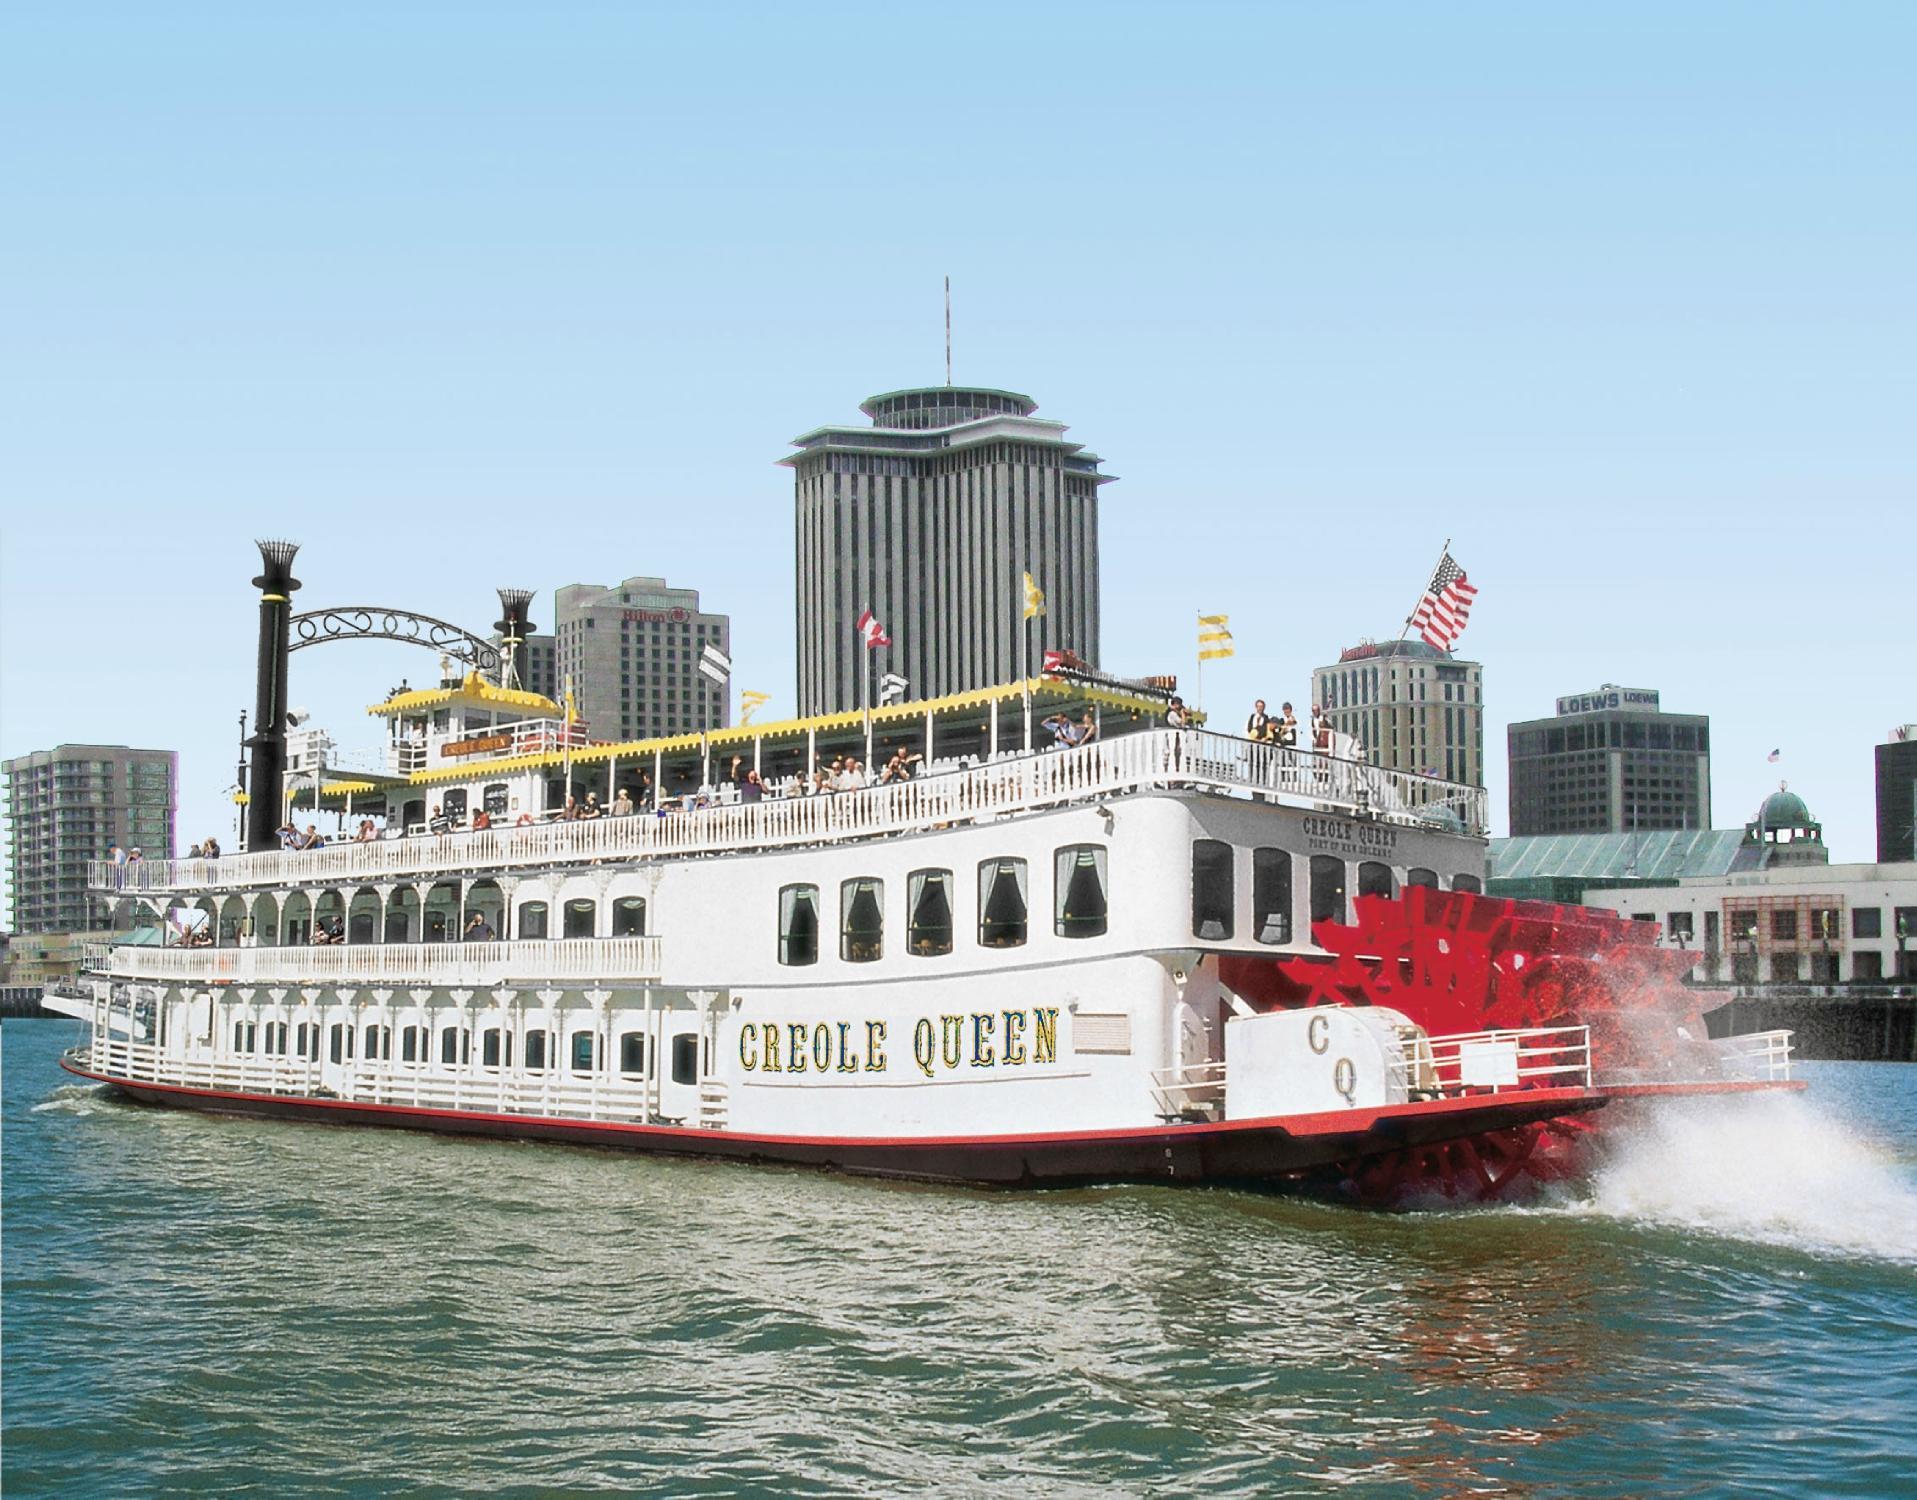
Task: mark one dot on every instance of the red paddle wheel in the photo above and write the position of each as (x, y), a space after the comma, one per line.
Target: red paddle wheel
(1454, 962)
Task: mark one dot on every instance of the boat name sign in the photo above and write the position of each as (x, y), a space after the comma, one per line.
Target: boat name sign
(1344, 836)
(947, 1043)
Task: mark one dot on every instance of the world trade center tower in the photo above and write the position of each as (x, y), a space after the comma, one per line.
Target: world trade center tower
(930, 518)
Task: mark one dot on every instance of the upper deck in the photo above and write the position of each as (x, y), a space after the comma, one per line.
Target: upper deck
(1153, 759)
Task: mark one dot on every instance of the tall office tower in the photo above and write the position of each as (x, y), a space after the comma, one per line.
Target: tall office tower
(1413, 707)
(632, 652)
(1610, 761)
(1897, 796)
(930, 518)
(74, 803)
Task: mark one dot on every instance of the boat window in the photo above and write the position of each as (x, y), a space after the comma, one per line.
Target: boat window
(1327, 888)
(1080, 908)
(632, 1052)
(532, 920)
(453, 804)
(1467, 883)
(629, 916)
(1271, 895)
(536, 1048)
(581, 916)
(1418, 875)
(928, 897)
(409, 1043)
(495, 1048)
(585, 1052)
(861, 920)
(1211, 893)
(455, 1046)
(685, 1058)
(244, 1036)
(494, 799)
(340, 1043)
(1374, 879)
(799, 924)
(302, 1046)
(396, 925)
(276, 1038)
(377, 1045)
(1002, 918)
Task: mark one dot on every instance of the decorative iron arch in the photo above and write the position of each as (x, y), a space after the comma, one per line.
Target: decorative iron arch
(372, 622)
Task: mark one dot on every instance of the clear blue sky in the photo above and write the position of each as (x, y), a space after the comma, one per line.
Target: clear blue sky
(1620, 297)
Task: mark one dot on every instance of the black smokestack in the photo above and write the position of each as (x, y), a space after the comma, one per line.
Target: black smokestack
(276, 584)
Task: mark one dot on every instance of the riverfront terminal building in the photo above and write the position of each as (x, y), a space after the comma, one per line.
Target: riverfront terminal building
(632, 653)
(1411, 706)
(1610, 761)
(930, 518)
(74, 803)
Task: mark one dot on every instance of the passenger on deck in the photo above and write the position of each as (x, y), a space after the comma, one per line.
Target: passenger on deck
(592, 809)
(136, 856)
(645, 789)
(195, 852)
(1175, 715)
(289, 835)
(1285, 732)
(622, 804)
(482, 820)
(1258, 726)
(570, 812)
(210, 849)
(439, 822)
(751, 789)
(899, 767)
(1320, 729)
(852, 779)
(311, 839)
(478, 930)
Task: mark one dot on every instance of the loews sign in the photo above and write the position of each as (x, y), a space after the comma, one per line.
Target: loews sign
(1609, 696)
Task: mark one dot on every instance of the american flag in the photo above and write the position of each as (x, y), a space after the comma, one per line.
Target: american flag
(1442, 613)
(872, 631)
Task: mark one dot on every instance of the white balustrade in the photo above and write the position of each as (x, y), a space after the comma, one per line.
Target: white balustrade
(472, 964)
(1757, 1056)
(1157, 758)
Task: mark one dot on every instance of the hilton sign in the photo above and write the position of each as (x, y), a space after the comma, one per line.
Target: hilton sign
(1609, 697)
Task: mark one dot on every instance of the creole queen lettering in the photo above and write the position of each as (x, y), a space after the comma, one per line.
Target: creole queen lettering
(967, 1043)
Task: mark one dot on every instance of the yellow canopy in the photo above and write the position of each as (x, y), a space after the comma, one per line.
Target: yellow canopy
(1050, 688)
(475, 689)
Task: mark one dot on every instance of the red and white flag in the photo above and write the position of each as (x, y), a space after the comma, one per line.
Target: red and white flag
(1442, 613)
(872, 631)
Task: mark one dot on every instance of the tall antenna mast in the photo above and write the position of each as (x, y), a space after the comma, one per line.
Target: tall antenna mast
(948, 330)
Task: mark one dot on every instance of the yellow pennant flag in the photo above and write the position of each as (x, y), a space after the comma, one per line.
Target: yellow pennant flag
(1034, 600)
(572, 708)
(1214, 639)
(749, 703)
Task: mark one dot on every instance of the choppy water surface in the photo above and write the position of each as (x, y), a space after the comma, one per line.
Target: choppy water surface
(197, 1305)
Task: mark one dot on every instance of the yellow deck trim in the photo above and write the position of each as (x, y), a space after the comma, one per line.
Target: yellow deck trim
(1051, 689)
(475, 689)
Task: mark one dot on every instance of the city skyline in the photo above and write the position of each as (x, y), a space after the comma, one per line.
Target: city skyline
(1636, 344)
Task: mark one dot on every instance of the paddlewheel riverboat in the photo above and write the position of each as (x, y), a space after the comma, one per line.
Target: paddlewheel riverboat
(1168, 955)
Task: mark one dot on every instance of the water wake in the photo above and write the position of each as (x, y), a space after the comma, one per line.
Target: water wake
(75, 1099)
(1767, 1168)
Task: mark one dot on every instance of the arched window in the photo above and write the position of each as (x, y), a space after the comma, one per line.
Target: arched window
(532, 919)
(455, 1046)
(1211, 890)
(632, 1052)
(1327, 888)
(585, 1052)
(629, 916)
(928, 899)
(1080, 906)
(377, 1044)
(1374, 879)
(582, 915)
(495, 1048)
(1418, 875)
(799, 924)
(685, 1058)
(537, 1048)
(861, 921)
(1002, 909)
(412, 1044)
(340, 1045)
(1271, 895)
(1467, 883)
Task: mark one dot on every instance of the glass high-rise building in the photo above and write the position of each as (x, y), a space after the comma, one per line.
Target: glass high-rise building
(71, 804)
(1409, 705)
(632, 654)
(930, 518)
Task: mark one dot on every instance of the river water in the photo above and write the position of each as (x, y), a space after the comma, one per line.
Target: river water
(217, 1307)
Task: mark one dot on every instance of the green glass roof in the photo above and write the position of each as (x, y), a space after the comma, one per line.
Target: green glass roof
(1666, 854)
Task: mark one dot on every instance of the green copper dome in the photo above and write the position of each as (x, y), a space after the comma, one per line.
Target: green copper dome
(1784, 809)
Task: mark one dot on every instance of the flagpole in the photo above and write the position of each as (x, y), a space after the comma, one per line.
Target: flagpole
(866, 686)
(1198, 677)
(1025, 672)
(1443, 552)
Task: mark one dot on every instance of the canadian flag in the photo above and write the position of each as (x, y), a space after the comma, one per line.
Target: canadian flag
(869, 627)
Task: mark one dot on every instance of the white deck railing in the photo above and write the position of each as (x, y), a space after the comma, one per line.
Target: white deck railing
(473, 964)
(1444, 1067)
(1758, 1056)
(555, 1093)
(1157, 758)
